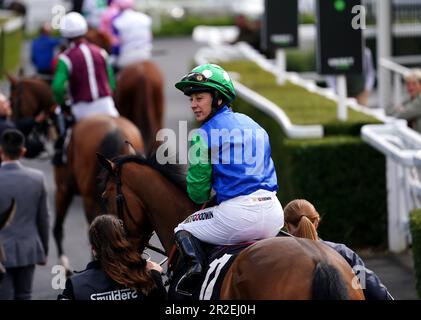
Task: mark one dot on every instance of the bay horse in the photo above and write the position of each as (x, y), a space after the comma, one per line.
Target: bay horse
(149, 196)
(97, 133)
(139, 97)
(99, 38)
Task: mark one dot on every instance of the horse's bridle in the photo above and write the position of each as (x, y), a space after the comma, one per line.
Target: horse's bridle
(121, 205)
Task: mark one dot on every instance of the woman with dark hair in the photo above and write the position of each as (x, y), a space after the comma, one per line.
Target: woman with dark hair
(302, 220)
(118, 271)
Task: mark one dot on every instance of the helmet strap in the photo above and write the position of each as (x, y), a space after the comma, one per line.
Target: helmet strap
(215, 106)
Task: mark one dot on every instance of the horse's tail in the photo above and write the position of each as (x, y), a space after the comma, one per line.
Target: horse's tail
(328, 284)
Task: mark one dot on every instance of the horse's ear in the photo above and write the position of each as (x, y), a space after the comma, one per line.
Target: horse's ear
(7, 216)
(12, 79)
(105, 163)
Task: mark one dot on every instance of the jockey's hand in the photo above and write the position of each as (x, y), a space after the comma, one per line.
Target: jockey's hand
(150, 265)
(43, 263)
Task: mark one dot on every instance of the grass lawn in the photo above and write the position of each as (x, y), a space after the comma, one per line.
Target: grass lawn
(301, 106)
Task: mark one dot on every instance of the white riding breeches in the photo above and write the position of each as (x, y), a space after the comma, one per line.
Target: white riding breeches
(245, 218)
(103, 105)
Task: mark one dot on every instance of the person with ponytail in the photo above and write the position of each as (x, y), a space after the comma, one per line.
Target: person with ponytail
(302, 220)
(118, 271)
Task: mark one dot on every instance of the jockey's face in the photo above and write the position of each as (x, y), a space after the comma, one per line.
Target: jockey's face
(201, 104)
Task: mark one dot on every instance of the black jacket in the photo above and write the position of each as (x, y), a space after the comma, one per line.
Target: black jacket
(374, 289)
(94, 284)
(6, 124)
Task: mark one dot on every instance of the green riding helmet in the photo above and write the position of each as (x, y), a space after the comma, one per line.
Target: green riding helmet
(207, 77)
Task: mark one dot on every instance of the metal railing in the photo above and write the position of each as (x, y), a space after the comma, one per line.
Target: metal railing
(398, 73)
(402, 149)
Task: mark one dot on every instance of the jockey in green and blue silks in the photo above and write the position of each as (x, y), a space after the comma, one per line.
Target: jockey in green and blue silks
(230, 154)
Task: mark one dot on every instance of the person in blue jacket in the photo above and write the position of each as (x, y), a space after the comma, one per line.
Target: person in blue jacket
(42, 51)
(230, 154)
(302, 220)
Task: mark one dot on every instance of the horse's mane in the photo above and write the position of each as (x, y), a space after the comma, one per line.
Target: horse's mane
(41, 90)
(176, 173)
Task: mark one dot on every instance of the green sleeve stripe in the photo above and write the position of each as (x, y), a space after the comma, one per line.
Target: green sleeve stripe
(111, 77)
(59, 82)
(199, 177)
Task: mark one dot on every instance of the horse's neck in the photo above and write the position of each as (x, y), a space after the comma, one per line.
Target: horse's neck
(40, 100)
(165, 203)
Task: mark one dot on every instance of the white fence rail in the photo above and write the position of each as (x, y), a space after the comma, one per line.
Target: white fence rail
(402, 148)
(398, 72)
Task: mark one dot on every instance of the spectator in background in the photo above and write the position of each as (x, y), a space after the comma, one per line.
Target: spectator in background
(359, 86)
(302, 220)
(118, 271)
(5, 114)
(27, 126)
(42, 51)
(411, 108)
(25, 240)
(249, 31)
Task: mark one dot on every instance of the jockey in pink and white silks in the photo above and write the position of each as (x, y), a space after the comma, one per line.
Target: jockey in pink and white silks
(107, 19)
(84, 67)
(133, 30)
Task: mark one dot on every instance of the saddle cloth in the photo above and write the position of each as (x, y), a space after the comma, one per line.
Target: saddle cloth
(219, 259)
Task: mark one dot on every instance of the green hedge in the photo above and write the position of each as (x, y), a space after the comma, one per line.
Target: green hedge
(340, 174)
(415, 223)
(171, 27)
(301, 60)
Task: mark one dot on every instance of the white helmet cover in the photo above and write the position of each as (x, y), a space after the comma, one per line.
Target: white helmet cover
(73, 25)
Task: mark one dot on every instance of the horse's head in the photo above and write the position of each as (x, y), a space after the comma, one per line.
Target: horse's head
(122, 201)
(146, 195)
(29, 96)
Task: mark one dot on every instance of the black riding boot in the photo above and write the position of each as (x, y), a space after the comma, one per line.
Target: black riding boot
(194, 256)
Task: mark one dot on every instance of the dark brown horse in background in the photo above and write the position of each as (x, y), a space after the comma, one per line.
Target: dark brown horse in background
(139, 97)
(275, 268)
(98, 133)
